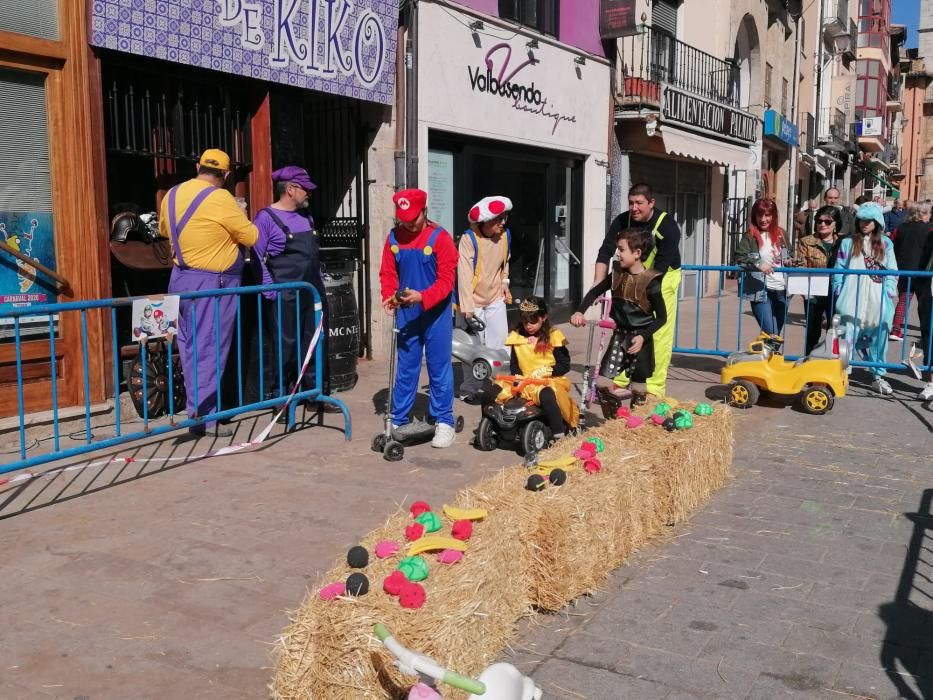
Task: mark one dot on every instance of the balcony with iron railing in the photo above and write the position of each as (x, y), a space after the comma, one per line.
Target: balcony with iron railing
(807, 132)
(831, 129)
(835, 17)
(652, 58)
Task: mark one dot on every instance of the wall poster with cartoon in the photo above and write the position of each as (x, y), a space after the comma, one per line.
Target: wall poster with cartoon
(21, 285)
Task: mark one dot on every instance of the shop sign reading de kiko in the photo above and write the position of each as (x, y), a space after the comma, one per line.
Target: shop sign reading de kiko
(692, 111)
(343, 47)
(495, 79)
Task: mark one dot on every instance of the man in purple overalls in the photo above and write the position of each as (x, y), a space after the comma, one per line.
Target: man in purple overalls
(207, 228)
(288, 250)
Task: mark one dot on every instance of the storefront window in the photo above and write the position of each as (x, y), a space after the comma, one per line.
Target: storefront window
(38, 18)
(540, 14)
(25, 196)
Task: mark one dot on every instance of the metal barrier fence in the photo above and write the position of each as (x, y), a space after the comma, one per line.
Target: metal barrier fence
(268, 397)
(728, 305)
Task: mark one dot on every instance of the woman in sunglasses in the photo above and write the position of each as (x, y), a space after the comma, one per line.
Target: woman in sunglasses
(818, 250)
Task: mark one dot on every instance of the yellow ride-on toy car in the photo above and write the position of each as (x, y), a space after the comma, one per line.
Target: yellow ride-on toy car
(817, 379)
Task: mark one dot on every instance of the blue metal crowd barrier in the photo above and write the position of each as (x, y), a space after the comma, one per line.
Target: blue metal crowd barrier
(730, 302)
(148, 431)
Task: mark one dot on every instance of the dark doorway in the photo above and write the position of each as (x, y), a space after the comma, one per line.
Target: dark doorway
(546, 191)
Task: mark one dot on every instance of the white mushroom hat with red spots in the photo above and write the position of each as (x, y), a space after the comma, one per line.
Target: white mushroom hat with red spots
(488, 208)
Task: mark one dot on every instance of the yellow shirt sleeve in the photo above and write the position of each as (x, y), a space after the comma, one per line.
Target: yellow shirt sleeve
(222, 207)
(516, 338)
(558, 339)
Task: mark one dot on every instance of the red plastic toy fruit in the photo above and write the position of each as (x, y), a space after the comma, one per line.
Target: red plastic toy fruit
(419, 507)
(394, 583)
(462, 530)
(585, 451)
(414, 532)
(592, 466)
(657, 419)
(412, 596)
(623, 412)
(634, 422)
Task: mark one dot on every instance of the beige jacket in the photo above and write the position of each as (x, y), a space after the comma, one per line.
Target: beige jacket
(487, 283)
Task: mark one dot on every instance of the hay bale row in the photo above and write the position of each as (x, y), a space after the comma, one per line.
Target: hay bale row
(534, 551)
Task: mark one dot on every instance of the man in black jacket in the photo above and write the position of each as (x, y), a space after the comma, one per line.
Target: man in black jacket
(643, 215)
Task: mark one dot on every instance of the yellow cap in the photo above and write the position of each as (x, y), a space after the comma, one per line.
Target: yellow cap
(215, 158)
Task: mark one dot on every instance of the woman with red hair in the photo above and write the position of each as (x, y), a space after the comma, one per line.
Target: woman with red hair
(763, 248)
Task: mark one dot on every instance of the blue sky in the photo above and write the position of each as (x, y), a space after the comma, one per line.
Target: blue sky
(907, 12)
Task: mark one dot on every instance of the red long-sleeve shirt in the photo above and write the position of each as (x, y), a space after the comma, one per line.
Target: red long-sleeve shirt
(445, 253)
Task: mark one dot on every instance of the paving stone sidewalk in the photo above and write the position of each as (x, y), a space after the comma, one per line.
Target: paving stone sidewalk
(144, 581)
(809, 575)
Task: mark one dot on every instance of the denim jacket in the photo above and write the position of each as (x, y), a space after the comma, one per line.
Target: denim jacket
(748, 257)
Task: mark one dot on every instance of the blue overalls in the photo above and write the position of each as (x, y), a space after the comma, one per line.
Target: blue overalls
(420, 332)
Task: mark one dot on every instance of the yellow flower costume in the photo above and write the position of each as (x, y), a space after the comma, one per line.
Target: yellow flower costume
(540, 365)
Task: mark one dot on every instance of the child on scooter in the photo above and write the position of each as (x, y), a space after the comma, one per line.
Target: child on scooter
(419, 264)
(638, 311)
(539, 351)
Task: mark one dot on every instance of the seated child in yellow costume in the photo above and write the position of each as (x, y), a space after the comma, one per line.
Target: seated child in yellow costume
(540, 352)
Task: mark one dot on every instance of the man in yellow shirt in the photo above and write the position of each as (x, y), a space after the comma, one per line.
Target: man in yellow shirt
(206, 227)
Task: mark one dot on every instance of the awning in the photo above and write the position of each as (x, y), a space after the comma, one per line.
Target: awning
(881, 181)
(828, 157)
(683, 143)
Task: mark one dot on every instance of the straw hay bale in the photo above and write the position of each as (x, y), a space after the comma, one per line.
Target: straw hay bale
(533, 551)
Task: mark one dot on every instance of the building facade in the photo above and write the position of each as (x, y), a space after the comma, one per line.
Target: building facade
(877, 101)
(683, 125)
(119, 99)
(917, 136)
(515, 103)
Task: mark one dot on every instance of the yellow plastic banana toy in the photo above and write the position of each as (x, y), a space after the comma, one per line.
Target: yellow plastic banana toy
(561, 462)
(464, 513)
(431, 544)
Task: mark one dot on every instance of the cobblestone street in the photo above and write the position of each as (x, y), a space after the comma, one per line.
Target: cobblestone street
(804, 576)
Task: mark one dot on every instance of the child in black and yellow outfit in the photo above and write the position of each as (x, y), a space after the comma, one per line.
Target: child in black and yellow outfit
(638, 311)
(539, 352)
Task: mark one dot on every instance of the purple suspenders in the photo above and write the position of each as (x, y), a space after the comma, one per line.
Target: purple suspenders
(175, 228)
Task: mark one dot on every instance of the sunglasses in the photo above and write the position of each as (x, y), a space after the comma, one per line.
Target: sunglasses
(825, 222)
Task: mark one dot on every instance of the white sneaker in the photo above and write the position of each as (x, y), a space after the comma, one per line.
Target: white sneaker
(881, 386)
(926, 393)
(895, 338)
(444, 435)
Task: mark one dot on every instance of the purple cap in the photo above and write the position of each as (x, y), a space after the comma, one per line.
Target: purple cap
(292, 173)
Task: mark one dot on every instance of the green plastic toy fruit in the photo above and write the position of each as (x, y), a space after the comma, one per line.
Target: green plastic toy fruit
(600, 446)
(430, 520)
(683, 420)
(662, 409)
(703, 409)
(414, 568)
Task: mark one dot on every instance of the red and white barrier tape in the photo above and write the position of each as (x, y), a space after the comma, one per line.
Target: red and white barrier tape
(230, 449)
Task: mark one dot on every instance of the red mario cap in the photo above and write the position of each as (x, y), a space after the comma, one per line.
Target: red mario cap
(409, 204)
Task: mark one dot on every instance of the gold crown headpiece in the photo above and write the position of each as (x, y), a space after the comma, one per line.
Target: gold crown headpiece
(529, 307)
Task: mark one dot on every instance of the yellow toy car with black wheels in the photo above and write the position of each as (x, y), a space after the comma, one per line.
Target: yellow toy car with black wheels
(817, 380)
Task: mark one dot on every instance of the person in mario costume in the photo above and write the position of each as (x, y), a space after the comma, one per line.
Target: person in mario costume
(419, 262)
(483, 277)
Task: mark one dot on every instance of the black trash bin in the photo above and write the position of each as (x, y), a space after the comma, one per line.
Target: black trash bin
(339, 270)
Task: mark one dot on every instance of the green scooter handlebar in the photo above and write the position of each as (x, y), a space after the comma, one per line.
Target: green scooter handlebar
(455, 680)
